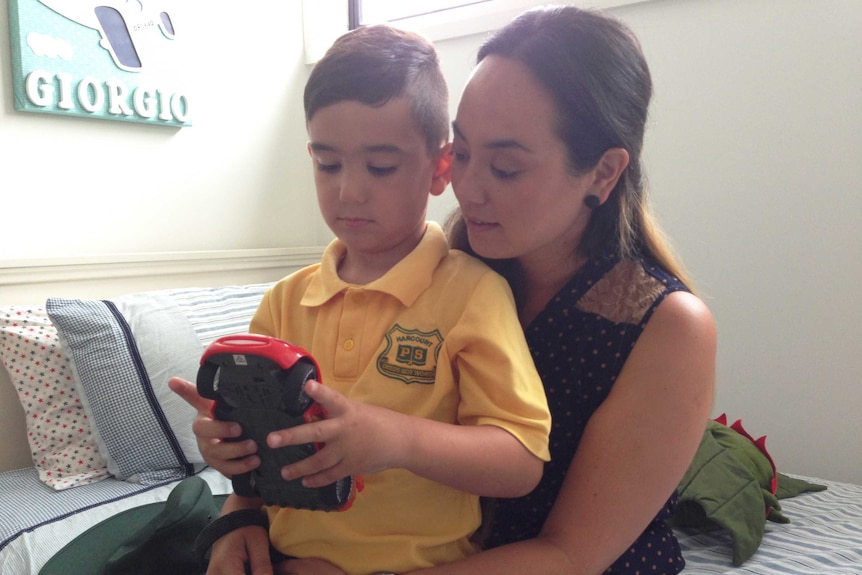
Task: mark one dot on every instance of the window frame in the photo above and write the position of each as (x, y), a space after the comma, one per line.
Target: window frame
(481, 17)
(325, 20)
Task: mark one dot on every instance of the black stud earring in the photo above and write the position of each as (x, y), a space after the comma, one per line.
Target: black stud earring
(592, 201)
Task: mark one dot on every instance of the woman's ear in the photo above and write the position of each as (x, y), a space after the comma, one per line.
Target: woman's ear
(443, 171)
(607, 172)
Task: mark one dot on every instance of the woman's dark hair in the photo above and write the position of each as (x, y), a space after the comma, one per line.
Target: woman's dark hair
(593, 67)
(374, 64)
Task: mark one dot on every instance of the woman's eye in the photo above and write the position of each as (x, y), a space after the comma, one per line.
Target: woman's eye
(328, 168)
(381, 171)
(504, 174)
(460, 157)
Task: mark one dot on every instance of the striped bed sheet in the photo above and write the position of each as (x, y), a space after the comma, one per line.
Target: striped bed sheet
(37, 521)
(824, 536)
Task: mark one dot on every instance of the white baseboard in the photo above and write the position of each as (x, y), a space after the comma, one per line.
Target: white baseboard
(13, 272)
(31, 281)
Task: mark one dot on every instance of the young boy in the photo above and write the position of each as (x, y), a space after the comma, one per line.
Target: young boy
(429, 386)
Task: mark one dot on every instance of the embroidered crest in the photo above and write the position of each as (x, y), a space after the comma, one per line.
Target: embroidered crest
(410, 355)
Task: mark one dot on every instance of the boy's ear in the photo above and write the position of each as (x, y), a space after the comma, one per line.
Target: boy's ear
(443, 172)
(308, 147)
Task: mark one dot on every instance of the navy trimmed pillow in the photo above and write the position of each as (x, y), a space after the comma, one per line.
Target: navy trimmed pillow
(122, 353)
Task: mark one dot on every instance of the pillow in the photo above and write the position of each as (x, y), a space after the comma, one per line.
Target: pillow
(58, 428)
(123, 352)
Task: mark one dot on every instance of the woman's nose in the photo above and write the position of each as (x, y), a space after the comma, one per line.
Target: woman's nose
(467, 185)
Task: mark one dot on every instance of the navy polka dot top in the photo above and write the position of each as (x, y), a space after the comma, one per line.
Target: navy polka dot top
(580, 342)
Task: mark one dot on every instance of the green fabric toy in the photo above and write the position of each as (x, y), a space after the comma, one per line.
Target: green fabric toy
(732, 484)
(157, 538)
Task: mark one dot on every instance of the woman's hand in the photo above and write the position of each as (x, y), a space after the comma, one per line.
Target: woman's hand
(241, 547)
(228, 457)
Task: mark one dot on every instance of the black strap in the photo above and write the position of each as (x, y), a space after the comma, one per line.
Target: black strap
(224, 525)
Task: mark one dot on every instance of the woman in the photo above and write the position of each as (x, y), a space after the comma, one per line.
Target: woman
(547, 172)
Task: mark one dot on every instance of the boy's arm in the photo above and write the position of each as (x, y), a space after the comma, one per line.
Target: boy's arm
(361, 438)
(481, 459)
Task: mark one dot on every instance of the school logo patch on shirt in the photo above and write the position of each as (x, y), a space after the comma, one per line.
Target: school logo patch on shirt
(410, 355)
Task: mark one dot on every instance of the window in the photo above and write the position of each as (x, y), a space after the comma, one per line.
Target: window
(370, 11)
(441, 19)
(325, 20)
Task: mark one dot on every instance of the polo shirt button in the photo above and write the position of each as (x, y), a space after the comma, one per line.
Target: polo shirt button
(348, 344)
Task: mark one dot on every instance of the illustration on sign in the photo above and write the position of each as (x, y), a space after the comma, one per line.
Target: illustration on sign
(107, 59)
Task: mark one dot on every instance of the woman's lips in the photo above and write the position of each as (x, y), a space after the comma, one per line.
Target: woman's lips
(479, 225)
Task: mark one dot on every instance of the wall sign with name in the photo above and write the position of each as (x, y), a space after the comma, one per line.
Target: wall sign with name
(107, 59)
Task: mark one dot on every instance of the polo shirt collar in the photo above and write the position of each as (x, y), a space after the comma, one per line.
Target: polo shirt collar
(405, 281)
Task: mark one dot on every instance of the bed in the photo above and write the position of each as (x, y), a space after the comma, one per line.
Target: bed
(37, 521)
(94, 447)
(823, 538)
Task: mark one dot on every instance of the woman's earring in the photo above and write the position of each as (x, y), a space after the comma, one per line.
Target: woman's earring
(592, 201)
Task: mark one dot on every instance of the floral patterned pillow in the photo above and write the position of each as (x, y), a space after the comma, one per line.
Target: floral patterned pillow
(62, 444)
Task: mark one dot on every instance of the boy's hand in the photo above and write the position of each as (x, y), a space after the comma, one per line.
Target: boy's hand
(359, 438)
(228, 457)
(241, 547)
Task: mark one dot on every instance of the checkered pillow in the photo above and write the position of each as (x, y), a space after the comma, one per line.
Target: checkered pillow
(123, 352)
(58, 428)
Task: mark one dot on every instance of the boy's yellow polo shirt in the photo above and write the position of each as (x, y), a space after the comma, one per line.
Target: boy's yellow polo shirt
(437, 337)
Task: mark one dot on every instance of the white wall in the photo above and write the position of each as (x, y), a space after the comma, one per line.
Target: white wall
(752, 151)
(238, 178)
(753, 156)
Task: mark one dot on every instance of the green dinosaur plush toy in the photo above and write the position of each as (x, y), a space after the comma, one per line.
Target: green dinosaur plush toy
(732, 484)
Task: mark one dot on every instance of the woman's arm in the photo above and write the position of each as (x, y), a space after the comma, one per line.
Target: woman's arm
(242, 548)
(361, 438)
(635, 449)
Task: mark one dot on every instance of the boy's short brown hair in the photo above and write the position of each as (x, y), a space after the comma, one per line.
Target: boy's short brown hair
(374, 64)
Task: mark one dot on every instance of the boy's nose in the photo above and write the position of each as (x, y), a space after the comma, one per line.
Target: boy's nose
(351, 190)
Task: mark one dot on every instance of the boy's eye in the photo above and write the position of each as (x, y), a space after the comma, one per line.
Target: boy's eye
(460, 157)
(381, 170)
(328, 168)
